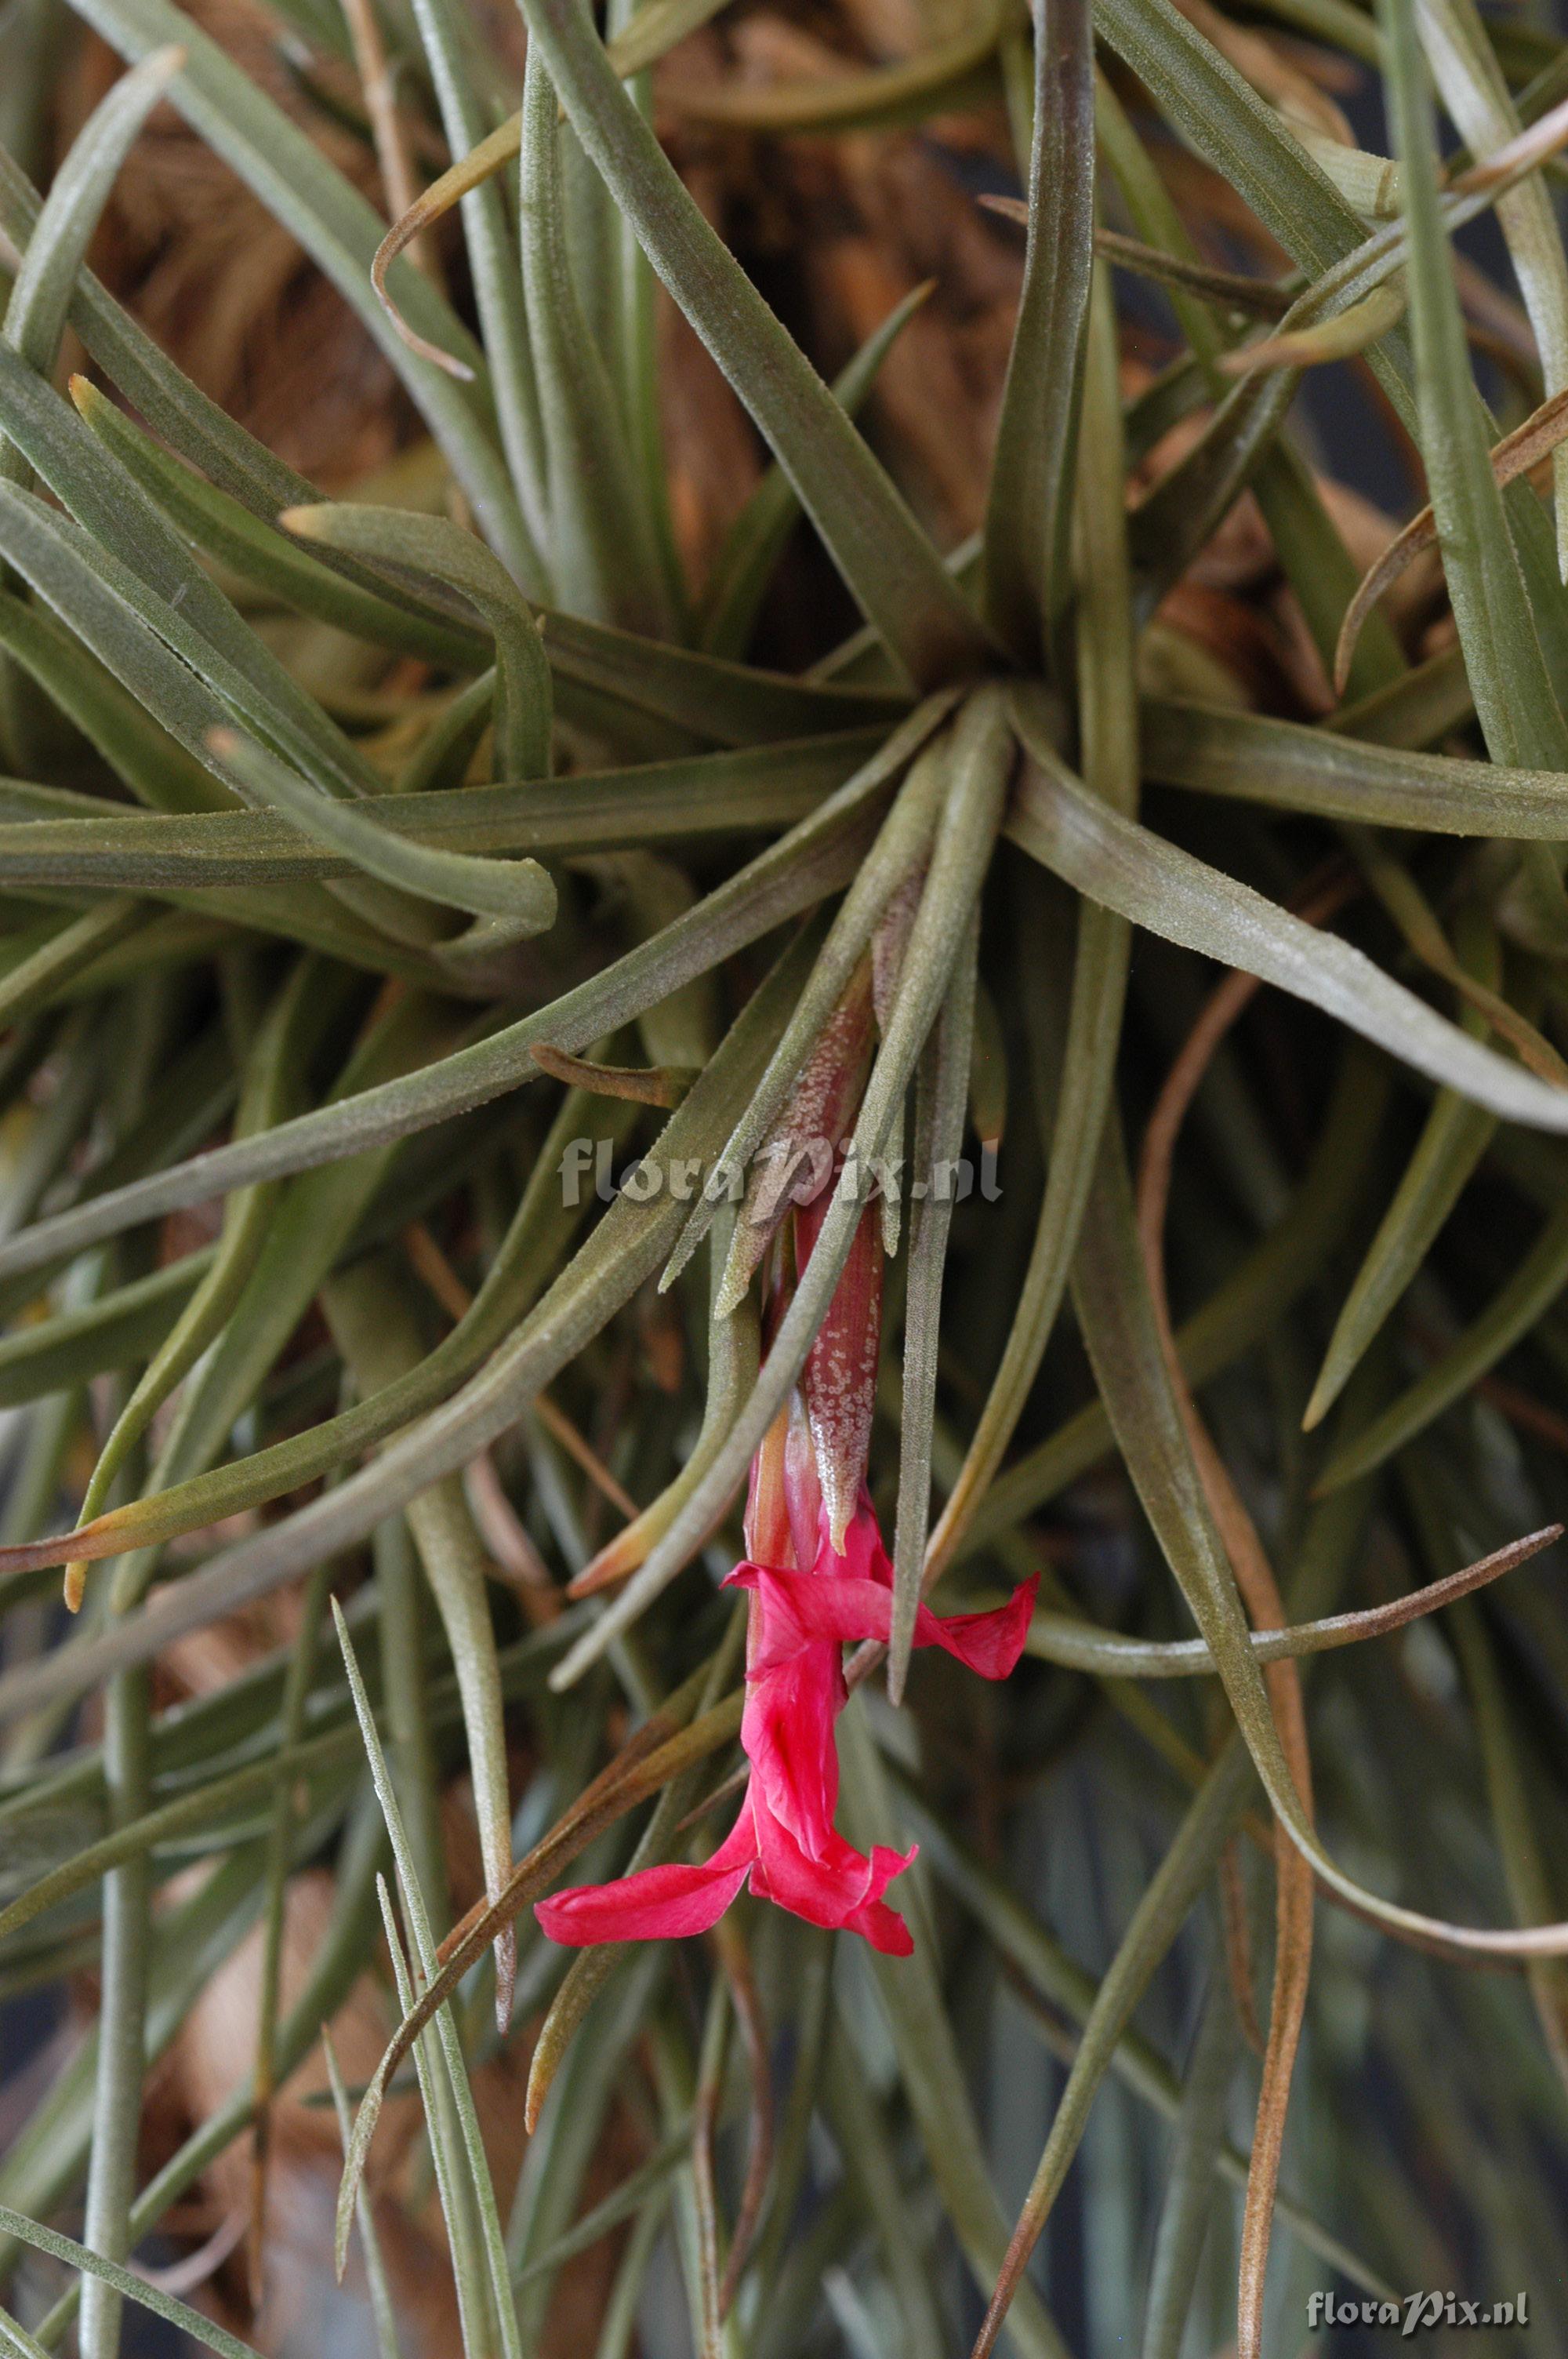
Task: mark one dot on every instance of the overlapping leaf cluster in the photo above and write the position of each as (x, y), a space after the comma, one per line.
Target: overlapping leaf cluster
(371, 870)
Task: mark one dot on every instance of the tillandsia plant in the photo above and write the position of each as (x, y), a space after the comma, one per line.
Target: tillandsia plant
(594, 1105)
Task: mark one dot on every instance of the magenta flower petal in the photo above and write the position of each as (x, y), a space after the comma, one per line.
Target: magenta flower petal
(839, 1888)
(656, 1903)
(987, 1643)
(786, 1732)
(801, 1608)
(784, 1840)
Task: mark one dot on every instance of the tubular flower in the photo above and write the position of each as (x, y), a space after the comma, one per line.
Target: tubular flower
(818, 1579)
(784, 1841)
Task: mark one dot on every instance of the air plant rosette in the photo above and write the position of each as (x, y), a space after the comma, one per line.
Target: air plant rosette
(489, 1026)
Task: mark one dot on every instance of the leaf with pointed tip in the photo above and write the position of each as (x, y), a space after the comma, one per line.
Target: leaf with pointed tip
(447, 2042)
(1174, 1886)
(1254, 757)
(814, 859)
(260, 554)
(1455, 1137)
(1022, 1939)
(1241, 1311)
(604, 560)
(1027, 583)
(622, 1252)
(1119, 1330)
(517, 892)
(341, 232)
(1126, 868)
(40, 295)
(379, 1336)
(891, 570)
(707, 795)
(1511, 1313)
(738, 582)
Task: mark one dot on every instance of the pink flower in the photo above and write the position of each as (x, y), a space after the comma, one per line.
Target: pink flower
(819, 1579)
(784, 1841)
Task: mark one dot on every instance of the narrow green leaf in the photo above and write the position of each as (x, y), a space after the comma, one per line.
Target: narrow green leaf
(1158, 1918)
(941, 1101)
(814, 859)
(340, 231)
(289, 1033)
(623, 1251)
(41, 292)
(738, 584)
(1514, 699)
(899, 581)
(1025, 1942)
(1118, 1322)
(1252, 756)
(1455, 1137)
(1475, 94)
(518, 893)
(707, 795)
(446, 2036)
(203, 2330)
(259, 554)
(219, 656)
(446, 37)
(1027, 582)
(928, 2060)
(110, 1332)
(1209, 104)
(1107, 728)
(603, 556)
(1156, 886)
(1513, 1310)
(381, 1342)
